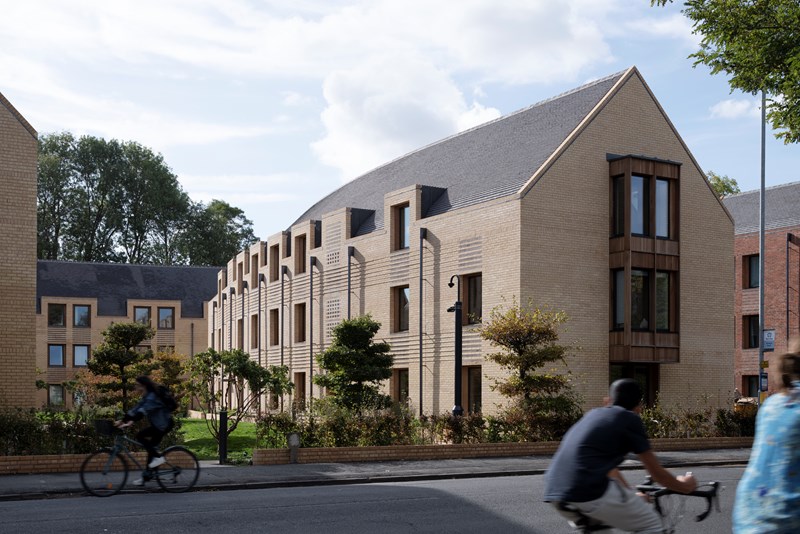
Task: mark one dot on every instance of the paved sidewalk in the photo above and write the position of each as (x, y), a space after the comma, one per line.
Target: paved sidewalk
(217, 477)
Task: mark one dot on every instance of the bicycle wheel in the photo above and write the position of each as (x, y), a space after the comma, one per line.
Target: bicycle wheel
(180, 471)
(103, 473)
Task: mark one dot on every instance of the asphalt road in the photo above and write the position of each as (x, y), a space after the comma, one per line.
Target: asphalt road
(487, 505)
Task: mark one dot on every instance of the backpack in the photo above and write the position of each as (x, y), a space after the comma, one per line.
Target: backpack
(166, 396)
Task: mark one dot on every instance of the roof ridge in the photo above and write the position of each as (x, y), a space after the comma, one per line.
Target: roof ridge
(754, 191)
(122, 264)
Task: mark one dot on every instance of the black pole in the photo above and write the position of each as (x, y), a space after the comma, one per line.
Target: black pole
(223, 437)
(423, 233)
(312, 263)
(222, 322)
(457, 409)
(283, 273)
(244, 322)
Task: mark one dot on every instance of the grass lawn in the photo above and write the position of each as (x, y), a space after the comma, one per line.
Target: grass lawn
(198, 438)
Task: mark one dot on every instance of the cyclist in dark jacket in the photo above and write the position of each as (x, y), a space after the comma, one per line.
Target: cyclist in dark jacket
(159, 417)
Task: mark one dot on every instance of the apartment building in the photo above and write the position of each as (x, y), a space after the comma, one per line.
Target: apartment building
(76, 301)
(589, 202)
(18, 146)
(781, 280)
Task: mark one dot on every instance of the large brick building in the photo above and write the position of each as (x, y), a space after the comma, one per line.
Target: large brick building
(18, 146)
(76, 301)
(588, 202)
(781, 278)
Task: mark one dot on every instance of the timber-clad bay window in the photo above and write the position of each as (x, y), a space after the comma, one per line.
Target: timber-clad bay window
(644, 259)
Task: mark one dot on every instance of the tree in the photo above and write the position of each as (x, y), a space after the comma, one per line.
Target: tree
(113, 360)
(528, 338)
(756, 43)
(722, 185)
(55, 187)
(355, 365)
(215, 233)
(231, 381)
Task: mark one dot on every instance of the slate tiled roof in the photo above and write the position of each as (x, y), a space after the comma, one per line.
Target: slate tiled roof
(489, 161)
(112, 284)
(782, 208)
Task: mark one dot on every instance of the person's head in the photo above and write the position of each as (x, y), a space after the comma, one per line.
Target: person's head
(145, 385)
(625, 392)
(790, 369)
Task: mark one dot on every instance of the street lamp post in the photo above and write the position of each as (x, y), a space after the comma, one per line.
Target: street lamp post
(456, 309)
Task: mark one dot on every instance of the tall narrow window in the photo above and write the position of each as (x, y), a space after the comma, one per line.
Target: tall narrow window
(255, 331)
(80, 355)
(166, 318)
(400, 385)
(640, 206)
(240, 333)
(401, 297)
(618, 208)
(55, 355)
(273, 326)
(662, 208)
(750, 329)
(300, 254)
(300, 322)
(56, 315)
(141, 314)
(274, 262)
(300, 391)
(619, 298)
(752, 266)
(474, 299)
(474, 396)
(55, 395)
(402, 226)
(640, 300)
(662, 302)
(81, 316)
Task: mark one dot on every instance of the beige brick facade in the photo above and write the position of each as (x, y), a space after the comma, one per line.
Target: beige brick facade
(548, 242)
(18, 147)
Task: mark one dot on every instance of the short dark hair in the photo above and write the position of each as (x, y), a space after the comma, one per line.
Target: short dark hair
(148, 384)
(625, 392)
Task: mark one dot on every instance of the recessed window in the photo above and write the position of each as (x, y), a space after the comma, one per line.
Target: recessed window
(254, 331)
(80, 355)
(618, 291)
(473, 298)
(400, 385)
(750, 385)
(401, 221)
(141, 314)
(474, 389)
(166, 349)
(300, 254)
(299, 391)
(166, 318)
(56, 315)
(750, 331)
(751, 271)
(640, 205)
(55, 395)
(300, 322)
(640, 300)
(400, 302)
(662, 208)
(273, 326)
(81, 316)
(618, 209)
(663, 301)
(274, 262)
(55, 355)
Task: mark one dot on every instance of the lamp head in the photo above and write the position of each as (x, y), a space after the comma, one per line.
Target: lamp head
(450, 284)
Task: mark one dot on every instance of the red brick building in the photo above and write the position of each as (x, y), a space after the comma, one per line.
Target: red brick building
(781, 279)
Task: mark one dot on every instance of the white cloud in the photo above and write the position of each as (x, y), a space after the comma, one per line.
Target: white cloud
(736, 109)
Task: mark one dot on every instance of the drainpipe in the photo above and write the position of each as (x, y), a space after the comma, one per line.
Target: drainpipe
(423, 234)
(284, 270)
(350, 252)
(312, 263)
(244, 322)
(261, 278)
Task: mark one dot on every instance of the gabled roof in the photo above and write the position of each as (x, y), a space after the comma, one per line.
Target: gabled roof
(11, 109)
(782, 208)
(489, 161)
(113, 284)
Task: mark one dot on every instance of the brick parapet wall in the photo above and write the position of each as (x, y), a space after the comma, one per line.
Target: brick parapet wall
(50, 463)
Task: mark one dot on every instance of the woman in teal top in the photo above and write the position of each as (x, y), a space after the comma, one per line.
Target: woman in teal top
(768, 495)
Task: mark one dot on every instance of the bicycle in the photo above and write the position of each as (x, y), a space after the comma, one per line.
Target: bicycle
(670, 505)
(105, 471)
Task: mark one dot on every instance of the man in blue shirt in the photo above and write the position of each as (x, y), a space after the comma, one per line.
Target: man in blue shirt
(583, 474)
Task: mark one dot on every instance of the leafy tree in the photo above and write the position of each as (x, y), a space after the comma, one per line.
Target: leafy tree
(231, 381)
(115, 361)
(215, 233)
(722, 185)
(527, 337)
(355, 365)
(55, 188)
(757, 44)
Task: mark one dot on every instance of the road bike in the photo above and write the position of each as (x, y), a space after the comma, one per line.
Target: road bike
(105, 471)
(671, 505)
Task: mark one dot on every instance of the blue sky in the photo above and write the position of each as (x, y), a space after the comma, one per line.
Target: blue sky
(269, 105)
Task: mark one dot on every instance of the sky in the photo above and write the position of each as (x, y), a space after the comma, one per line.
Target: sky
(269, 105)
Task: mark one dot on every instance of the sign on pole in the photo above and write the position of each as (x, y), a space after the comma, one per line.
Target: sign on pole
(769, 340)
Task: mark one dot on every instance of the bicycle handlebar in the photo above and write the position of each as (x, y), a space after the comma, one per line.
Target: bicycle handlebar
(709, 493)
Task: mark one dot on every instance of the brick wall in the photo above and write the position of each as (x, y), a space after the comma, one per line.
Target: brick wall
(18, 147)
